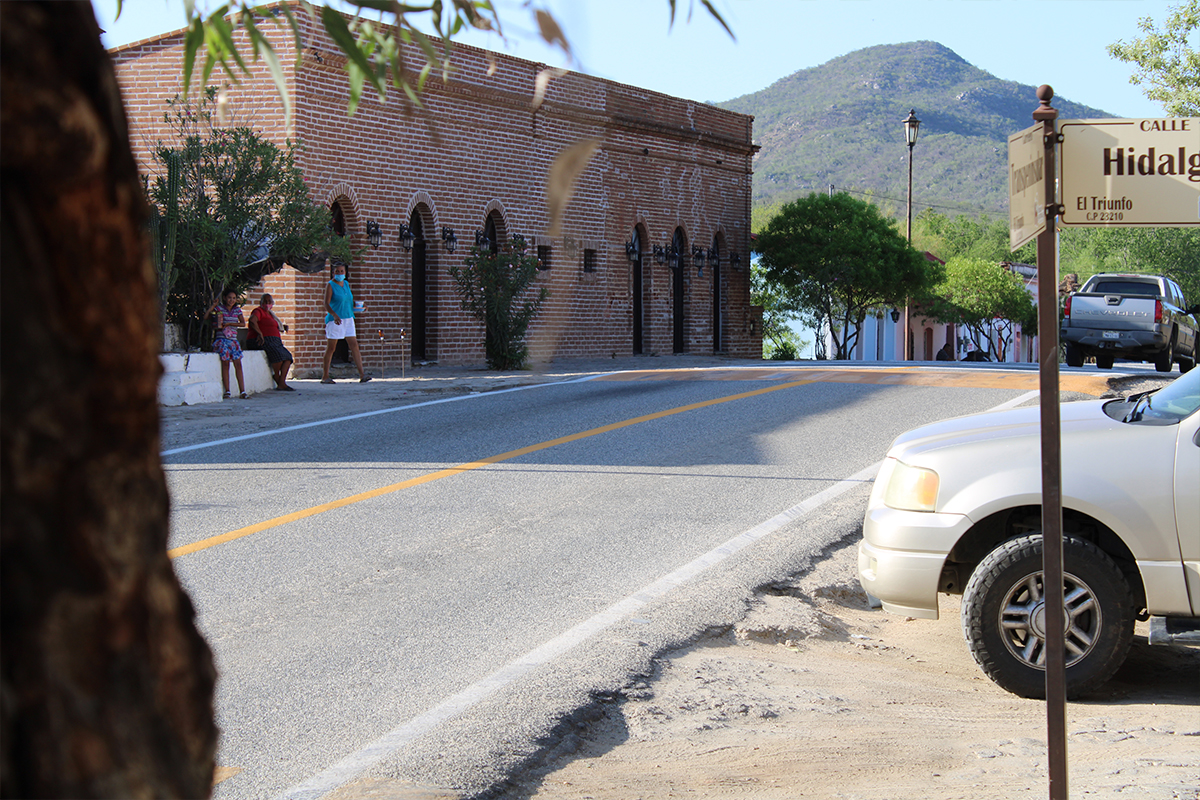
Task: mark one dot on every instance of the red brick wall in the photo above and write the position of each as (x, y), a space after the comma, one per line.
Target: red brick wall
(477, 147)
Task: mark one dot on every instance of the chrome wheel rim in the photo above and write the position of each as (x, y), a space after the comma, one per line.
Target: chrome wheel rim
(1023, 618)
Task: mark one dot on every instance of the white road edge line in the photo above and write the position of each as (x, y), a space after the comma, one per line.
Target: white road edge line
(377, 412)
(356, 763)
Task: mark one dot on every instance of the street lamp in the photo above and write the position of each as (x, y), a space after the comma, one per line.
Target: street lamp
(912, 126)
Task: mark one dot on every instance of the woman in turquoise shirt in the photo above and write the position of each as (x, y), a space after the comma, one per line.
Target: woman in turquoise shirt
(339, 322)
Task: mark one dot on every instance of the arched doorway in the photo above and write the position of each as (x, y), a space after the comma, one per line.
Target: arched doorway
(420, 292)
(678, 259)
(637, 291)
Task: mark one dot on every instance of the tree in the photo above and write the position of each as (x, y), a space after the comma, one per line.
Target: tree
(839, 258)
(986, 298)
(1174, 252)
(963, 236)
(107, 685)
(1167, 64)
(495, 286)
(780, 342)
(242, 210)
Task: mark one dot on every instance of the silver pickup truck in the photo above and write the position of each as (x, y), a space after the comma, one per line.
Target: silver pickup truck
(1130, 317)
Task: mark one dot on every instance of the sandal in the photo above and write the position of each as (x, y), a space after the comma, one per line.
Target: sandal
(365, 379)
(226, 396)
(328, 380)
(244, 396)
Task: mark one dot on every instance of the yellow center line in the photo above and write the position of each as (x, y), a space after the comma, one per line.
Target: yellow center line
(258, 527)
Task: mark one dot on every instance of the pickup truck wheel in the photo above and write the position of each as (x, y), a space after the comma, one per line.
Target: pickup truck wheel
(1166, 359)
(1074, 356)
(1104, 361)
(1003, 616)
(1185, 364)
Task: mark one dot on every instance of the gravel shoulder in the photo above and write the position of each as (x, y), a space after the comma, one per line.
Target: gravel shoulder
(814, 694)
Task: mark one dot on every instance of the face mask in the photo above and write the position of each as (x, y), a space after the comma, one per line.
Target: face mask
(270, 306)
(340, 277)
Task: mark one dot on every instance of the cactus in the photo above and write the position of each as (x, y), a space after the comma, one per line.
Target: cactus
(164, 230)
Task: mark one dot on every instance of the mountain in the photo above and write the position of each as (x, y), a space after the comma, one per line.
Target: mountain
(841, 124)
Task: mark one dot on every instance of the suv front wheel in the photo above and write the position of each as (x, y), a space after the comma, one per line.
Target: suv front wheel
(1003, 616)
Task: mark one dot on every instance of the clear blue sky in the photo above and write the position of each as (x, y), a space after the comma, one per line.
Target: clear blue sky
(1060, 42)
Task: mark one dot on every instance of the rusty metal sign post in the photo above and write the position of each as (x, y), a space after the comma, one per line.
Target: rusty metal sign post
(1052, 526)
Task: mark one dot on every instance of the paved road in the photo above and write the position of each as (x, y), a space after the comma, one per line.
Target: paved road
(426, 589)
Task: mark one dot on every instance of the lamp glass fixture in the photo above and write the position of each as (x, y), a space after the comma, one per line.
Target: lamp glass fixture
(912, 127)
(374, 234)
(449, 239)
(406, 237)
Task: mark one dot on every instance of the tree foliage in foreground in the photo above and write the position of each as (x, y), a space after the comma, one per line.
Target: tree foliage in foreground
(985, 298)
(241, 210)
(838, 258)
(1167, 61)
(495, 284)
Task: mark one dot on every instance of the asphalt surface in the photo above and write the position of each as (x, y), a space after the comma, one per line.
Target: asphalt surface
(324, 618)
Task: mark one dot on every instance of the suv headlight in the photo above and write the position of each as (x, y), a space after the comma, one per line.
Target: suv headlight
(912, 488)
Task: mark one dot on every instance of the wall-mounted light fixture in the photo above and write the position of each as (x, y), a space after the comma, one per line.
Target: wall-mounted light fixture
(449, 240)
(674, 257)
(735, 261)
(406, 237)
(698, 258)
(895, 315)
(482, 243)
(632, 253)
(660, 254)
(518, 241)
(714, 257)
(374, 233)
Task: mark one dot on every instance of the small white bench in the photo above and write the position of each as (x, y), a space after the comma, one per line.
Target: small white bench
(192, 378)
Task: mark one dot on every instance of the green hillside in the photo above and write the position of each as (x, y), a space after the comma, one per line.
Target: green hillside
(841, 124)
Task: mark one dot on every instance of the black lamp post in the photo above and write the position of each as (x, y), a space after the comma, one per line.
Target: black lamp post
(912, 126)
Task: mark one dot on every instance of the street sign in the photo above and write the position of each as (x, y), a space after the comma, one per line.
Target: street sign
(1026, 186)
(1131, 172)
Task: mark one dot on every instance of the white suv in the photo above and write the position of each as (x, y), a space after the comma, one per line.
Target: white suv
(957, 508)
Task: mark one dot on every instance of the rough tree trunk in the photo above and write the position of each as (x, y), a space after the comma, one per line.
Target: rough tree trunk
(106, 683)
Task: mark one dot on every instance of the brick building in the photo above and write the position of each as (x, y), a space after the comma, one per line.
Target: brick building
(668, 173)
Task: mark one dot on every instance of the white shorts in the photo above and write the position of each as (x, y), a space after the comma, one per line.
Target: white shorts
(340, 330)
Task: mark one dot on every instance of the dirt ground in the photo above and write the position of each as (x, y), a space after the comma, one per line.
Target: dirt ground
(816, 695)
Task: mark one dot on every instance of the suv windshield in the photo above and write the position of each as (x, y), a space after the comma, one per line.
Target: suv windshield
(1167, 406)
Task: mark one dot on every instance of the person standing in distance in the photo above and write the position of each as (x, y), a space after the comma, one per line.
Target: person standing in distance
(226, 318)
(339, 323)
